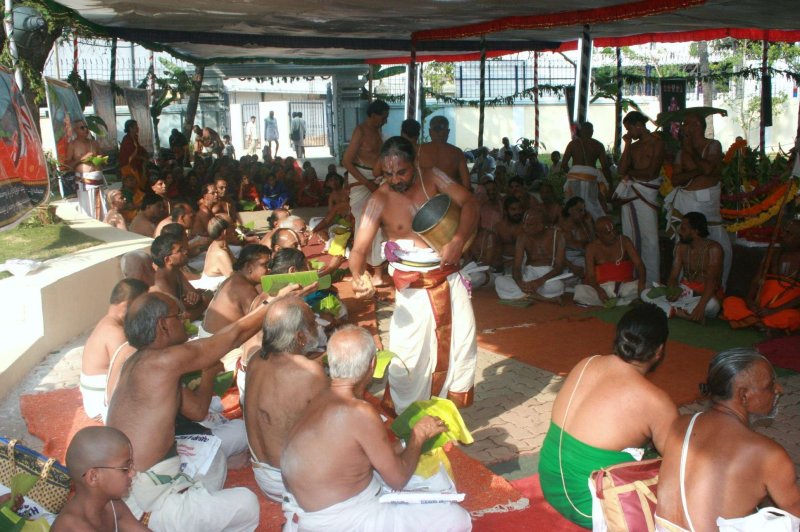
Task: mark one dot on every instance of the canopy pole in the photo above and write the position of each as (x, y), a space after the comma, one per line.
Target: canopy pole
(481, 112)
(8, 23)
(618, 105)
(536, 100)
(369, 86)
(113, 75)
(411, 88)
(766, 104)
(75, 54)
(583, 73)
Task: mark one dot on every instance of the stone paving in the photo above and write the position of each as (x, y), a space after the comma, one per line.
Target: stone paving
(509, 419)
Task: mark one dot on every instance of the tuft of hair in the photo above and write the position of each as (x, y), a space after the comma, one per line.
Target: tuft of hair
(398, 147)
(410, 128)
(217, 226)
(640, 332)
(287, 258)
(127, 290)
(724, 368)
(574, 200)
(174, 229)
(288, 222)
(284, 319)
(635, 117)
(350, 351)
(698, 222)
(250, 253)
(142, 318)
(377, 107)
(161, 248)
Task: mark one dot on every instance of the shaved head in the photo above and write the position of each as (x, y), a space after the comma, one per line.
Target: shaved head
(95, 447)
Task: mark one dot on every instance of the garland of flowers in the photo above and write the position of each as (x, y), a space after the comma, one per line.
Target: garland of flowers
(764, 205)
(764, 216)
(734, 149)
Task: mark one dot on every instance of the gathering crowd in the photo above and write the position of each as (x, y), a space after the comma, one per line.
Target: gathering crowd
(576, 228)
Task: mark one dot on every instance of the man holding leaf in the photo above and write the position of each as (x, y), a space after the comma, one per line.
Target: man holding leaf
(84, 157)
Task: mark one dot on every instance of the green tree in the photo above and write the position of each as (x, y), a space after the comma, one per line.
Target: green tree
(170, 88)
(437, 75)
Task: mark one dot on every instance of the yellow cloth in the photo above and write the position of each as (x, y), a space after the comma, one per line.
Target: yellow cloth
(445, 410)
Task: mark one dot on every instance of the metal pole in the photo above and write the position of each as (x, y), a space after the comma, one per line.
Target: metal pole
(75, 54)
(8, 23)
(371, 74)
(133, 66)
(766, 87)
(536, 100)
(582, 81)
(618, 132)
(113, 75)
(481, 112)
(411, 86)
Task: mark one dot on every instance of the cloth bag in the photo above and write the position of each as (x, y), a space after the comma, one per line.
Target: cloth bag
(52, 488)
(626, 494)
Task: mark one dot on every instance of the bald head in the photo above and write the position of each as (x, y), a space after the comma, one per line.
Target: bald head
(96, 447)
(285, 238)
(289, 327)
(350, 351)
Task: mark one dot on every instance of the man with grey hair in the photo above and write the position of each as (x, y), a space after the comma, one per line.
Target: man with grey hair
(298, 225)
(332, 454)
(716, 468)
(280, 382)
(440, 154)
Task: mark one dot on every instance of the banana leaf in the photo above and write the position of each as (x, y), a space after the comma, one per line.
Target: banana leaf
(679, 116)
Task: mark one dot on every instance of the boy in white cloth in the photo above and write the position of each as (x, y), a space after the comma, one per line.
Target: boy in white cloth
(716, 468)
(539, 257)
(432, 330)
(105, 340)
(335, 451)
(145, 404)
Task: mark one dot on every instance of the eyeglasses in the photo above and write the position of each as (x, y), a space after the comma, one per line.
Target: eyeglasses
(125, 469)
(180, 315)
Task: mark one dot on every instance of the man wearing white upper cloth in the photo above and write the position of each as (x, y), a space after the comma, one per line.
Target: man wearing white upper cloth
(637, 191)
(432, 330)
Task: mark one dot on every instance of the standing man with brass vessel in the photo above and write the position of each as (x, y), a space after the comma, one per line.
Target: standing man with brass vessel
(432, 330)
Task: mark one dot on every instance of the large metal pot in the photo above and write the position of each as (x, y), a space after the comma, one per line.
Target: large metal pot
(436, 222)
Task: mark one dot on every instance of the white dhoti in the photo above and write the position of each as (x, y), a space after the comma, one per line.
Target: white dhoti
(231, 432)
(177, 503)
(586, 182)
(91, 194)
(269, 479)
(413, 338)
(686, 302)
(364, 513)
(705, 201)
(93, 391)
(507, 288)
(640, 222)
(359, 195)
(624, 293)
(208, 282)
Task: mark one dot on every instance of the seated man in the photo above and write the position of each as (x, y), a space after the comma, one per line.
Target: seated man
(699, 260)
(717, 470)
(508, 231)
(335, 449)
(218, 265)
(100, 462)
(170, 255)
(104, 344)
(144, 407)
(151, 211)
(205, 210)
(778, 306)
(578, 230)
(611, 261)
(138, 264)
(298, 225)
(538, 257)
(281, 381)
(283, 238)
(606, 406)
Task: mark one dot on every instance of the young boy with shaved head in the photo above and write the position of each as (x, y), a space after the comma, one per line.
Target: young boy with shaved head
(100, 462)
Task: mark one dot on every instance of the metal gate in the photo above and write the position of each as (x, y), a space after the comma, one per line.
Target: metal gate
(314, 115)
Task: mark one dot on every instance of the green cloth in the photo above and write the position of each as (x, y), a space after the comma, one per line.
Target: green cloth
(435, 406)
(578, 460)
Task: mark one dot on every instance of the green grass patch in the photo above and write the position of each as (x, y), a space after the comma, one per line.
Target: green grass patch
(42, 242)
(715, 335)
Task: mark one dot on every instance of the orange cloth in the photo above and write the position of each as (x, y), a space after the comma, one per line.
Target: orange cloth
(611, 271)
(776, 292)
